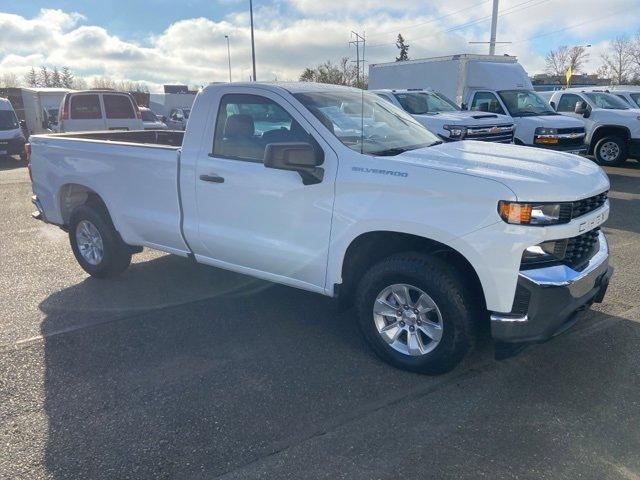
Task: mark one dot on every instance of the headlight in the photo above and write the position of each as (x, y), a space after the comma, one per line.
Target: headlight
(534, 213)
(544, 252)
(455, 131)
(546, 136)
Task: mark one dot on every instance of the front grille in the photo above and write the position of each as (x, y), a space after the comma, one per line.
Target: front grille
(581, 248)
(493, 133)
(571, 130)
(582, 207)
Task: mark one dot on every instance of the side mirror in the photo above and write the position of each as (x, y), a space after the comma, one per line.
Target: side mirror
(299, 157)
(23, 124)
(581, 108)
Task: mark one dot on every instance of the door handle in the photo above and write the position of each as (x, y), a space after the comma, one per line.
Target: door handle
(213, 178)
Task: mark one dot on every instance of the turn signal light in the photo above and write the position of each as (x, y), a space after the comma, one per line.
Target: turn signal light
(517, 213)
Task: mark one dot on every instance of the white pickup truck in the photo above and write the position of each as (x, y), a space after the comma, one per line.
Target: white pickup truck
(612, 126)
(441, 116)
(432, 241)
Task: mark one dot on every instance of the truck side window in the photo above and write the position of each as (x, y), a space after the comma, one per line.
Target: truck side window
(568, 102)
(486, 102)
(246, 124)
(118, 106)
(85, 107)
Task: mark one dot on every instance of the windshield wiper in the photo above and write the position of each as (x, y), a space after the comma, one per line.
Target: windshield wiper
(398, 150)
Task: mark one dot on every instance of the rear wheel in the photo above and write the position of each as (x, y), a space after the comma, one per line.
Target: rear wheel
(96, 244)
(611, 150)
(416, 314)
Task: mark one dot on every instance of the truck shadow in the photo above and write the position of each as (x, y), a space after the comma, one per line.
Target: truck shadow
(11, 163)
(199, 388)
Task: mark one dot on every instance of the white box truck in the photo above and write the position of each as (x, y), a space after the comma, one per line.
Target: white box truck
(487, 83)
(41, 106)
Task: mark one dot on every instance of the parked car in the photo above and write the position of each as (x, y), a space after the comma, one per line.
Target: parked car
(491, 84)
(99, 110)
(428, 239)
(151, 121)
(613, 128)
(12, 138)
(177, 119)
(443, 117)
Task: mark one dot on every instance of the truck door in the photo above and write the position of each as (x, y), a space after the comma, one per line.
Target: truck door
(256, 219)
(120, 113)
(85, 113)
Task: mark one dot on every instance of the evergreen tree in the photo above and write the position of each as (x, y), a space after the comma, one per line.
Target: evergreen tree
(404, 49)
(45, 77)
(31, 78)
(56, 79)
(67, 78)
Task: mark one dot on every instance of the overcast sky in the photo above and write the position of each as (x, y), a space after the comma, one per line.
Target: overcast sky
(165, 41)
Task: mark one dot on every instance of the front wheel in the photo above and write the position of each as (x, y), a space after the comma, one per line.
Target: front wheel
(416, 314)
(611, 150)
(96, 244)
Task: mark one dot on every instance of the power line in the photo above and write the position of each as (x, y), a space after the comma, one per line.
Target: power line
(433, 19)
(569, 27)
(508, 11)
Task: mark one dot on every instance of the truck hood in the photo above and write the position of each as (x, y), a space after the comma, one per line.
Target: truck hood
(464, 118)
(9, 134)
(553, 121)
(533, 174)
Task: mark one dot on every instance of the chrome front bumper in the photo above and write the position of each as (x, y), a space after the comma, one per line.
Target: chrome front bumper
(548, 298)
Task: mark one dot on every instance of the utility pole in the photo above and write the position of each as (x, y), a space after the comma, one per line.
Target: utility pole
(253, 45)
(494, 26)
(228, 56)
(358, 39)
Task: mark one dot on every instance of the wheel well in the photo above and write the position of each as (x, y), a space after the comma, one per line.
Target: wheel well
(372, 247)
(73, 195)
(606, 131)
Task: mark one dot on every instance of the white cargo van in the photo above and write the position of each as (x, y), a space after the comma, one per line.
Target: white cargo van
(91, 110)
(11, 136)
(443, 117)
(612, 126)
(491, 84)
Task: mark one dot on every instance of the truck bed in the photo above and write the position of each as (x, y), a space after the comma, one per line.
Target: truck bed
(170, 138)
(134, 172)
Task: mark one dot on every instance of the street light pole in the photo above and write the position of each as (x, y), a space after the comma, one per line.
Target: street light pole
(228, 56)
(253, 46)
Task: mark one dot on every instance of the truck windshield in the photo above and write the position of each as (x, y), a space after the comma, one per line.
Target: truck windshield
(421, 103)
(606, 101)
(8, 120)
(366, 123)
(522, 103)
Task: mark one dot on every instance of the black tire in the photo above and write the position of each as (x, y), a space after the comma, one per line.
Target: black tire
(116, 255)
(604, 143)
(442, 283)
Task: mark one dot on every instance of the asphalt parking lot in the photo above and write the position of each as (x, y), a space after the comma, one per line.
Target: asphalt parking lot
(175, 370)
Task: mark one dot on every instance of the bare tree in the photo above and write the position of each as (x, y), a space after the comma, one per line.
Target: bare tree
(341, 73)
(559, 60)
(66, 77)
(8, 80)
(634, 52)
(618, 60)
